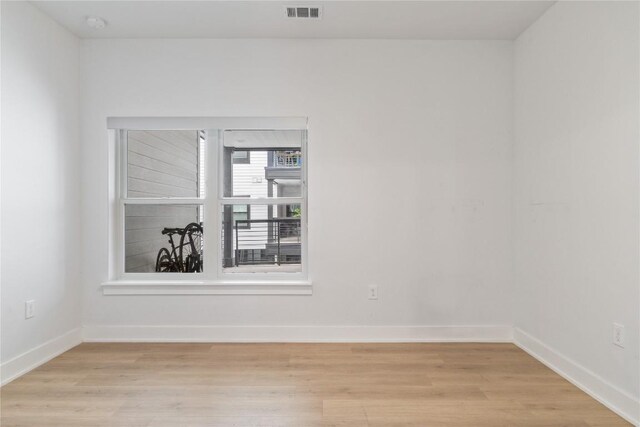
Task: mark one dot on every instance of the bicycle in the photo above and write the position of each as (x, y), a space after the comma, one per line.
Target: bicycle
(186, 257)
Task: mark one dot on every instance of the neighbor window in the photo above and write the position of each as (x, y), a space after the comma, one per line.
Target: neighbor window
(255, 202)
(241, 157)
(241, 216)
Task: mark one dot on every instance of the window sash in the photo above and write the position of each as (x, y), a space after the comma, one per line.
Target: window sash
(301, 200)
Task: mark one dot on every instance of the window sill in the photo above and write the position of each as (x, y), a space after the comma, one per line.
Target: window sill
(206, 287)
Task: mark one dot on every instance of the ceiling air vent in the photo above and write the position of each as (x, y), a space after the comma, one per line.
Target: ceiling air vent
(304, 12)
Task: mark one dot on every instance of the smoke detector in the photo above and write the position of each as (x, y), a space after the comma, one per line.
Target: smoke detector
(96, 23)
(313, 12)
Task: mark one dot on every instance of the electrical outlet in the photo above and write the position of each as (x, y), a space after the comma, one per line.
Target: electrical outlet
(618, 335)
(373, 291)
(29, 309)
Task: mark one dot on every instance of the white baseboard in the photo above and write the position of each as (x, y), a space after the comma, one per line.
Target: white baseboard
(29, 360)
(199, 333)
(604, 392)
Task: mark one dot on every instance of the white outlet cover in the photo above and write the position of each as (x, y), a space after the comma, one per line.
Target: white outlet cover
(29, 309)
(618, 335)
(373, 292)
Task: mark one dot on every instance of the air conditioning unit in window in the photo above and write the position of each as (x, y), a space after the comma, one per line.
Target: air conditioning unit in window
(313, 12)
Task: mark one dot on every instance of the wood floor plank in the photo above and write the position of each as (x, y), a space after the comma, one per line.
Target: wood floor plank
(303, 385)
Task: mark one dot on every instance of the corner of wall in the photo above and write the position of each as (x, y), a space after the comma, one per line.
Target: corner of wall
(31, 359)
(595, 386)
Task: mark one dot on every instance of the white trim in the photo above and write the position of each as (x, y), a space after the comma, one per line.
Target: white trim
(261, 201)
(31, 359)
(188, 123)
(212, 203)
(206, 287)
(164, 201)
(595, 386)
(205, 333)
(212, 237)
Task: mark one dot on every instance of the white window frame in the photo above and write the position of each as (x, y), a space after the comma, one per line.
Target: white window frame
(213, 280)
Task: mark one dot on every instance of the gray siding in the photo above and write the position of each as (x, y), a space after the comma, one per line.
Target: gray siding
(159, 164)
(162, 163)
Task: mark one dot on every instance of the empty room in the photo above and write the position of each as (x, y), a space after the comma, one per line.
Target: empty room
(332, 213)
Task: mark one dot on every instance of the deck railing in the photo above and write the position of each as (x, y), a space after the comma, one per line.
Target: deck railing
(287, 159)
(267, 241)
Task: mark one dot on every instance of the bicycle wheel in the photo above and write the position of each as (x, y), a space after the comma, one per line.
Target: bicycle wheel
(190, 252)
(164, 263)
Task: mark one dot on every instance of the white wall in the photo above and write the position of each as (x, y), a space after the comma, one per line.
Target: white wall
(576, 191)
(409, 172)
(40, 183)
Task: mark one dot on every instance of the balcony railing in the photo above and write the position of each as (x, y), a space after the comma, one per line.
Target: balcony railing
(287, 159)
(267, 241)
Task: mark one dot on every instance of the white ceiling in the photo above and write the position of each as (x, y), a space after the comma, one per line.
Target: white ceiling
(266, 19)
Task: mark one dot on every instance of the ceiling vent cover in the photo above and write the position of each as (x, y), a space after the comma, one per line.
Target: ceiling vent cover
(314, 12)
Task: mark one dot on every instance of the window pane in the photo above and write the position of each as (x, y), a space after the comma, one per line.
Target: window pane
(241, 157)
(240, 209)
(165, 163)
(164, 238)
(241, 213)
(270, 241)
(272, 165)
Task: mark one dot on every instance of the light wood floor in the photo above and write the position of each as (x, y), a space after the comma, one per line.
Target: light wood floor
(187, 385)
